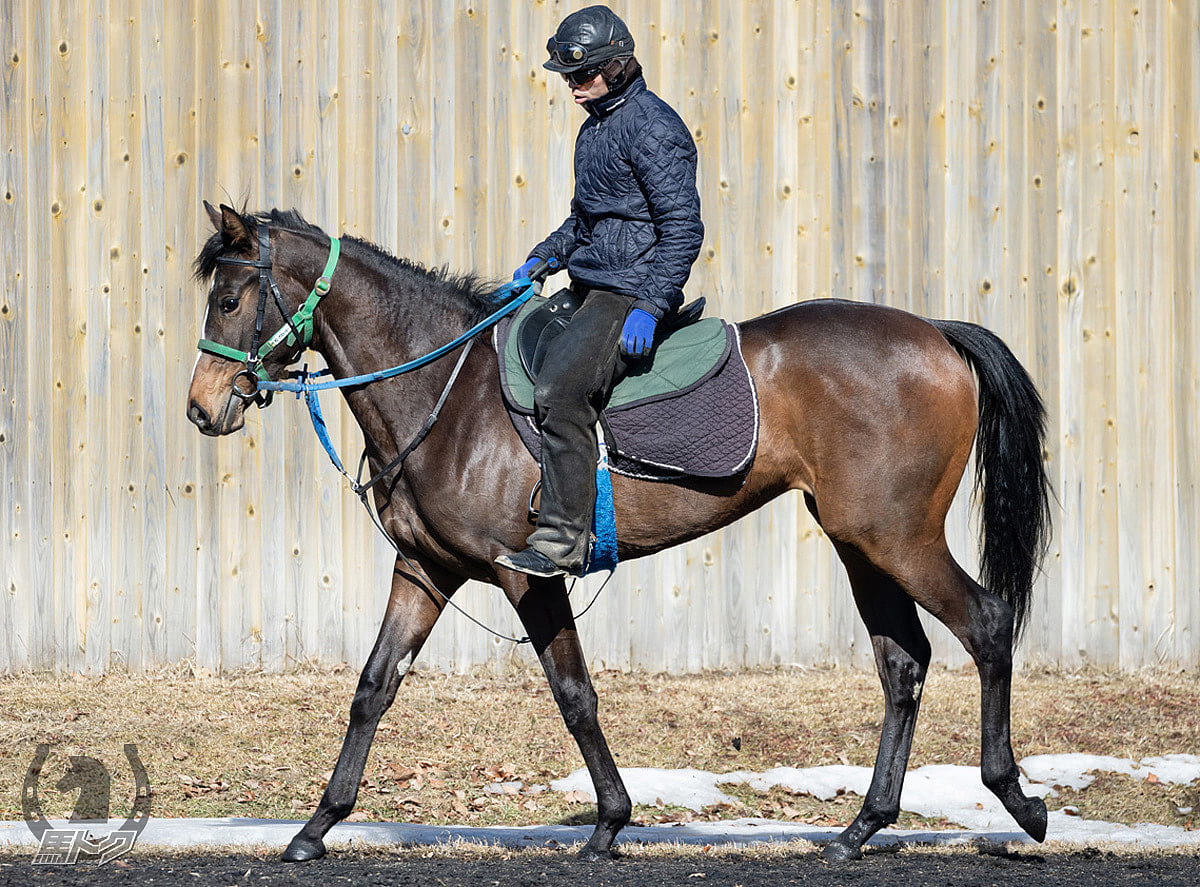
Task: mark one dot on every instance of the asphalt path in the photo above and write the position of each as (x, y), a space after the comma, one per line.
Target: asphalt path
(967, 868)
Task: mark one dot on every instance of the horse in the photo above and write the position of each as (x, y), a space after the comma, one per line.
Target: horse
(868, 411)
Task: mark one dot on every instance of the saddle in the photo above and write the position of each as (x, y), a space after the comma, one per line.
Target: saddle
(547, 321)
(689, 410)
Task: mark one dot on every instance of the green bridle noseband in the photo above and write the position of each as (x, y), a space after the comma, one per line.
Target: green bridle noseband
(298, 328)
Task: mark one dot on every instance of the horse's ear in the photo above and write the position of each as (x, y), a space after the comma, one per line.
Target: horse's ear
(233, 228)
(214, 215)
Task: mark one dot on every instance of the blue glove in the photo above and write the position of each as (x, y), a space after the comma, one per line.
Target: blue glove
(524, 270)
(637, 336)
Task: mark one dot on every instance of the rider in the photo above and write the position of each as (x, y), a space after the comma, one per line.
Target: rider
(628, 244)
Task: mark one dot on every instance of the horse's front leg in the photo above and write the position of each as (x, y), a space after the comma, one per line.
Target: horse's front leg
(545, 611)
(411, 614)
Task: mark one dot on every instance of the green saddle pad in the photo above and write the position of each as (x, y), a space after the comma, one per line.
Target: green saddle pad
(685, 357)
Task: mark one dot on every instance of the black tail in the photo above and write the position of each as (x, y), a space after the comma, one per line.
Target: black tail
(1010, 466)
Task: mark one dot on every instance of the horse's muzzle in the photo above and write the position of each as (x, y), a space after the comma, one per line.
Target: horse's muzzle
(211, 404)
(199, 417)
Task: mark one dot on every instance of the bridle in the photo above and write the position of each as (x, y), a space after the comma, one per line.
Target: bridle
(296, 328)
(299, 328)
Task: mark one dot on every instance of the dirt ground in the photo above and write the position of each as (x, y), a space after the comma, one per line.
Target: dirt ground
(263, 746)
(972, 868)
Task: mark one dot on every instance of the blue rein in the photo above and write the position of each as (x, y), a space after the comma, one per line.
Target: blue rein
(300, 385)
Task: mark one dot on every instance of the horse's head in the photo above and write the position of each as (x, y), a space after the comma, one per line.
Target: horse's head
(257, 319)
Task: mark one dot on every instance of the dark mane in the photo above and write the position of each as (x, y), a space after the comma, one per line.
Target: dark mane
(462, 291)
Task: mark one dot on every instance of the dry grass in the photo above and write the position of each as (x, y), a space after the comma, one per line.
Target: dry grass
(256, 745)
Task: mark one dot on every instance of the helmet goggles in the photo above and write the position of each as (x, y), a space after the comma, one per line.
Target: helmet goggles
(566, 54)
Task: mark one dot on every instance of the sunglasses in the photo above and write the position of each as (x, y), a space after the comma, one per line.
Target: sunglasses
(582, 76)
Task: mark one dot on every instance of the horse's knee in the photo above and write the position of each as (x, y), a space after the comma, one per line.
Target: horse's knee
(368, 704)
(372, 696)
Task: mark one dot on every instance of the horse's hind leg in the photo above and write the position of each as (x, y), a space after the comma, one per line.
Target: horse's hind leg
(987, 634)
(410, 616)
(983, 624)
(545, 611)
(902, 658)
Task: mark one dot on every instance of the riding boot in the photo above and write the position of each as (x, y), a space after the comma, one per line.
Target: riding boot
(575, 381)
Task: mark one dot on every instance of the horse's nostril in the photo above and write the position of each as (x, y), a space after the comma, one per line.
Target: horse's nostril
(198, 415)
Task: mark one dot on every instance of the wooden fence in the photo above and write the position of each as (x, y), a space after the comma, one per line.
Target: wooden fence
(1032, 166)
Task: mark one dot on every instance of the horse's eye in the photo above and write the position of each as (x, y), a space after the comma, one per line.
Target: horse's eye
(229, 304)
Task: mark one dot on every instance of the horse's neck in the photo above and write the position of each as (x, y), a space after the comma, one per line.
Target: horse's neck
(353, 343)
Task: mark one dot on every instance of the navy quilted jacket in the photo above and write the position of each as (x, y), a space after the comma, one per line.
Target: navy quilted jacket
(635, 224)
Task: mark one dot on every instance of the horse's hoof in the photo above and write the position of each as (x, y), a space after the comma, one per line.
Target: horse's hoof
(303, 848)
(1034, 819)
(836, 851)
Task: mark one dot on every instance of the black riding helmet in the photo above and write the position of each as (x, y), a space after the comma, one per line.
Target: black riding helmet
(587, 39)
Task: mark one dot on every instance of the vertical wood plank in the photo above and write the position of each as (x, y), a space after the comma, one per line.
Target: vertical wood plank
(236, 115)
(868, 208)
(1071, 530)
(283, 447)
(186, 228)
(1130, 373)
(756, 293)
(988, 147)
(17, 602)
(783, 575)
(1042, 336)
(675, 64)
(155, 415)
(1156, 325)
(296, 63)
(210, 471)
(902, 91)
(841, 147)
(119, 263)
(315, 627)
(704, 117)
(1011, 279)
(959, 81)
(1183, 29)
(1090, 632)
(40, 328)
(67, 361)
(342, 599)
(734, 257)
(930, 144)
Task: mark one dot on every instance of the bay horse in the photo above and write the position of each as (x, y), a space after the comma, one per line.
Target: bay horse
(870, 412)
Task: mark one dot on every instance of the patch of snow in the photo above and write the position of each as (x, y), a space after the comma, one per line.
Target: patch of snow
(1078, 771)
(825, 783)
(950, 792)
(694, 789)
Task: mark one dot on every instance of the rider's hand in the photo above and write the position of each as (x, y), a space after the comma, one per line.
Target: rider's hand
(637, 336)
(524, 270)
